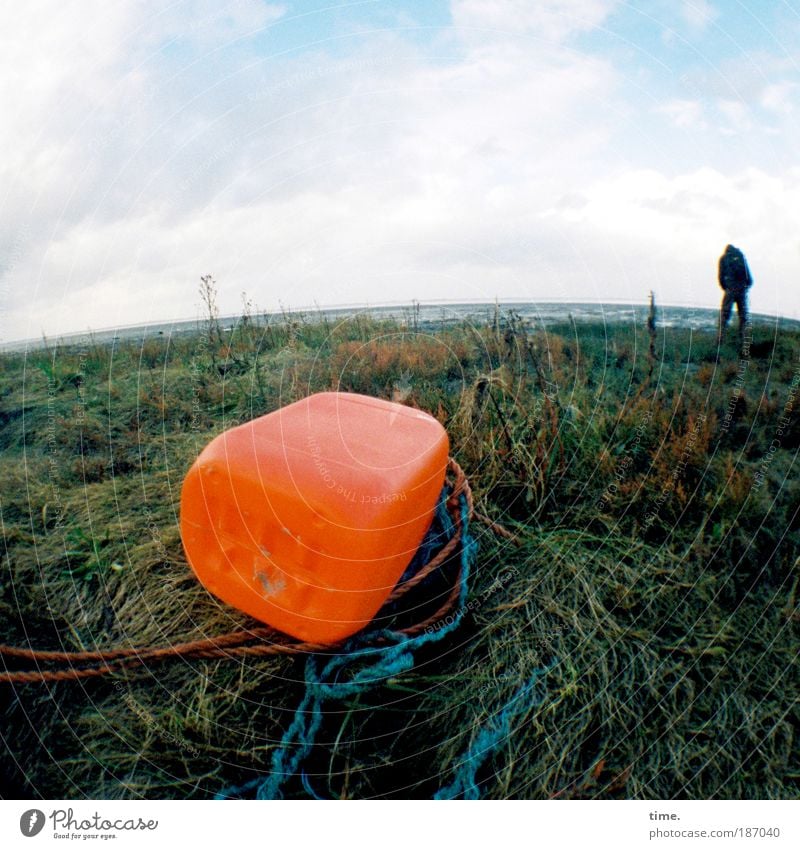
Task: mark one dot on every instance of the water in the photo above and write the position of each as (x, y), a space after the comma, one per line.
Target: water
(421, 315)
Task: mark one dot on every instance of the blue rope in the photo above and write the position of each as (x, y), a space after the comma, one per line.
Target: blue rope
(366, 665)
(489, 739)
(362, 665)
(442, 529)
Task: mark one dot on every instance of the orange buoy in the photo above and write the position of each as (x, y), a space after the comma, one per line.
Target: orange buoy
(307, 517)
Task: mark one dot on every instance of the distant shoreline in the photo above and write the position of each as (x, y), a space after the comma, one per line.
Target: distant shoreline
(416, 314)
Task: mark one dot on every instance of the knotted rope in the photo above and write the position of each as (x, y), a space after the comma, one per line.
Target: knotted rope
(364, 662)
(489, 739)
(248, 642)
(337, 672)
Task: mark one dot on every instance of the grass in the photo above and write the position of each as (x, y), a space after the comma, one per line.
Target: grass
(652, 489)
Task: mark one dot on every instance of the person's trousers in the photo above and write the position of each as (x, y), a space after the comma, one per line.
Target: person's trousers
(731, 298)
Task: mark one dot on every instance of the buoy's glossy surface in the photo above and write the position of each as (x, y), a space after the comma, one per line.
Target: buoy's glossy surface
(307, 517)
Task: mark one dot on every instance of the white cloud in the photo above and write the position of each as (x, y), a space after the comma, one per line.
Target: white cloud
(684, 114)
(671, 229)
(780, 97)
(151, 149)
(372, 179)
(95, 99)
(736, 116)
(550, 19)
(698, 14)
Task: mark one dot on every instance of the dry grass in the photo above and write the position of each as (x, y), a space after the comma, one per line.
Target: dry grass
(667, 602)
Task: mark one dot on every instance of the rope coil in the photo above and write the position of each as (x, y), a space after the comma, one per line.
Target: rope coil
(333, 672)
(247, 642)
(364, 661)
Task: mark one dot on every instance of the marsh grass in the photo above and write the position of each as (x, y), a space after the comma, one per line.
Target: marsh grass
(649, 478)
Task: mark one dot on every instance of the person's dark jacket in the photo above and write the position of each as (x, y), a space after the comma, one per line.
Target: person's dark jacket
(734, 275)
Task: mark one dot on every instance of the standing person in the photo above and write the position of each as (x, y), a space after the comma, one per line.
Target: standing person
(735, 279)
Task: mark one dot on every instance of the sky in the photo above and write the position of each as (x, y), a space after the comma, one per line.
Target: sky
(315, 152)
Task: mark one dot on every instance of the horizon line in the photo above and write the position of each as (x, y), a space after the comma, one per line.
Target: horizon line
(354, 307)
